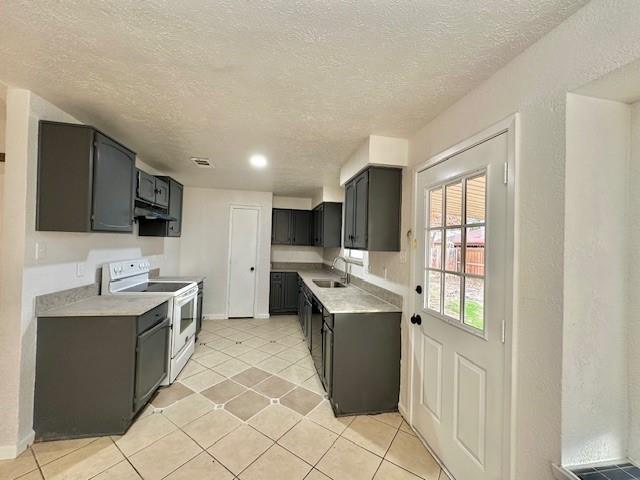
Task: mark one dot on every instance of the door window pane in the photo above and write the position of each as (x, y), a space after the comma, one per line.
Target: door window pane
(452, 295)
(476, 199)
(474, 302)
(455, 246)
(434, 289)
(435, 249)
(453, 252)
(474, 254)
(435, 207)
(454, 204)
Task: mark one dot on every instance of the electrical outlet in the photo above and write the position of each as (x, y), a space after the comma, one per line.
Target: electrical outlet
(80, 270)
(41, 250)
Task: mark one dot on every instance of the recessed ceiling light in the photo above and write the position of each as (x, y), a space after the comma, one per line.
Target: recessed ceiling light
(258, 161)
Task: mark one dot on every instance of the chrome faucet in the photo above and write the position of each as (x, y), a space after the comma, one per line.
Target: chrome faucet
(347, 268)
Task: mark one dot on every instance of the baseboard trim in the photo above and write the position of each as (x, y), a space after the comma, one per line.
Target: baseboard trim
(215, 316)
(404, 412)
(561, 473)
(7, 452)
(262, 315)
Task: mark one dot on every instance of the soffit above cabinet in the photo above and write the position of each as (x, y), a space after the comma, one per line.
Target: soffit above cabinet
(378, 151)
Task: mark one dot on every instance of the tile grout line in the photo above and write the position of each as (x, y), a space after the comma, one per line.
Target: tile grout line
(62, 456)
(126, 459)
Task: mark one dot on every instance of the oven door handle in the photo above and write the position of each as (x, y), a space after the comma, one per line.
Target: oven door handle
(193, 293)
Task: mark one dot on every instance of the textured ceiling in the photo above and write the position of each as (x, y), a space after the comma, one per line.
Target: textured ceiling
(303, 82)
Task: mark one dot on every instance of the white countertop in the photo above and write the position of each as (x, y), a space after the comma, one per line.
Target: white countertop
(349, 299)
(108, 306)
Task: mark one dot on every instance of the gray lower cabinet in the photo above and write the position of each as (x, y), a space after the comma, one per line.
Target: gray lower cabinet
(357, 357)
(94, 374)
(85, 180)
(373, 202)
(283, 293)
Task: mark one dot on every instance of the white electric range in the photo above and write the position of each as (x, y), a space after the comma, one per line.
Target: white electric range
(131, 277)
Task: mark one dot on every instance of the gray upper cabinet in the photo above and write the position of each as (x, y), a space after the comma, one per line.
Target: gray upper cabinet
(373, 201)
(291, 227)
(146, 187)
(175, 208)
(162, 192)
(281, 226)
(327, 225)
(85, 180)
(173, 191)
(152, 190)
(301, 227)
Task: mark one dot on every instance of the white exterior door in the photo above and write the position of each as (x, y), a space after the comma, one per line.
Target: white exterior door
(459, 353)
(243, 253)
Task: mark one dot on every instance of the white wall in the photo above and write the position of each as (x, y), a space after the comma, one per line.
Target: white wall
(296, 203)
(204, 246)
(633, 343)
(376, 150)
(599, 38)
(297, 254)
(328, 194)
(596, 257)
(3, 117)
(23, 277)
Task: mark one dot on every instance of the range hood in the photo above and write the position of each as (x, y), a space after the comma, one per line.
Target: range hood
(151, 214)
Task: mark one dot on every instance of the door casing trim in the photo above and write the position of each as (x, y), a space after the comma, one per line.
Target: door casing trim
(510, 126)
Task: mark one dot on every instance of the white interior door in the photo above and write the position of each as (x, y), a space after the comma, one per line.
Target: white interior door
(459, 354)
(243, 253)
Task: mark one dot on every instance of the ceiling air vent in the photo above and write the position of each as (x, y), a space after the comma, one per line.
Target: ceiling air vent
(202, 162)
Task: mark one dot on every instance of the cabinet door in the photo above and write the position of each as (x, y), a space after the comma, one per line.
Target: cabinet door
(327, 358)
(332, 225)
(152, 350)
(318, 226)
(290, 292)
(276, 295)
(361, 186)
(162, 193)
(146, 187)
(175, 209)
(113, 175)
(281, 227)
(301, 227)
(349, 214)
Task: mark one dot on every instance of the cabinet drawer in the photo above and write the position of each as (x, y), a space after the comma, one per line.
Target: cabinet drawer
(152, 317)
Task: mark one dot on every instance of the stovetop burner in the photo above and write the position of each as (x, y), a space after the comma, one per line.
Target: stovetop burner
(156, 287)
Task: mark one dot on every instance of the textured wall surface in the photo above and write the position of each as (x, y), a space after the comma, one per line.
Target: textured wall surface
(304, 82)
(204, 246)
(595, 407)
(634, 299)
(599, 38)
(24, 277)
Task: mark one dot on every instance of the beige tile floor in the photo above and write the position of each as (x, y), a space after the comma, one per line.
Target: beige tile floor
(248, 406)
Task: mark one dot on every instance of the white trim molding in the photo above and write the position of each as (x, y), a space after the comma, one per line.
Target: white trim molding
(509, 125)
(8, 452)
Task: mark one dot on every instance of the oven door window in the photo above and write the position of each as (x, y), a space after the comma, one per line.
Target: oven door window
(187, 315)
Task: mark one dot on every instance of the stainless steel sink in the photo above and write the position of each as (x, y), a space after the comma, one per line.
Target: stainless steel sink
(329, 284)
